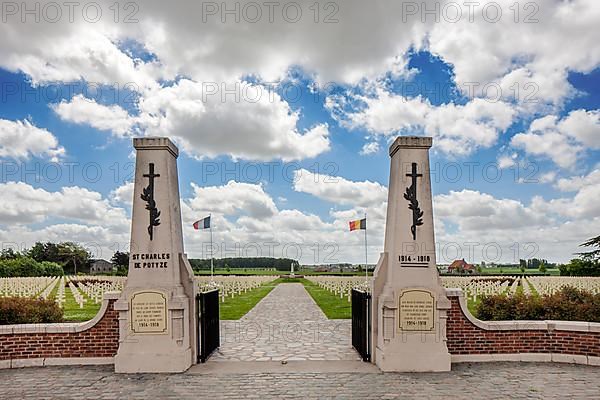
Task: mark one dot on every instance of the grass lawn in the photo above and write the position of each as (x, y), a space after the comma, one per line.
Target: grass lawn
(71, 310)
(332, 305)
(237, 307)
(517, 271)
(240, 271)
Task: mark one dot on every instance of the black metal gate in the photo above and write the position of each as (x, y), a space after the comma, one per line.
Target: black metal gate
(361, 323)
(207, 304)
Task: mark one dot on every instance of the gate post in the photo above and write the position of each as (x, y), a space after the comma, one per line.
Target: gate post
(156, 307)
(410, 303)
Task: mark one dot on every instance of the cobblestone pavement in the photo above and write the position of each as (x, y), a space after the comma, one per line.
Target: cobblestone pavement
(286, 325)
(473, 382)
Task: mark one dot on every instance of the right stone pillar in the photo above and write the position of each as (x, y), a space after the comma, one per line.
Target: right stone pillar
(409, 303)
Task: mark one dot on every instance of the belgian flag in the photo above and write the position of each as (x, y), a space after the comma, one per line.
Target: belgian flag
(358, 224)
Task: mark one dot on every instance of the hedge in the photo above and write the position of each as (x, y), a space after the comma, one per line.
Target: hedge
(568, 304)
(26, 267)
(26, 310)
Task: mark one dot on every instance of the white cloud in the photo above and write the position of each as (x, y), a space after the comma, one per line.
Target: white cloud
(123, 194)
(506, 162)
(99, 240)
(234, 198)
(460, 130)
(479, 226)
(474, 211)
(71, 51)
(338, 190)
(457, 129)
(370, 148)
(583, 126)
(21, 139)
(576, 183)
(564, 140)
(261, 126)
(333, 50)
(264, 129)
(22, 204)
(387, 114)
(547, 177)
(81, 110)
(584, 205)
(72, 214)
(562, 38)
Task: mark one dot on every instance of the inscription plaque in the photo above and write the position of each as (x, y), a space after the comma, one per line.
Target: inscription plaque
(148, 312)
(417, 310)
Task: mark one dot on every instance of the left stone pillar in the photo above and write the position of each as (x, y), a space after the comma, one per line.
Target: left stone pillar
(156, 308)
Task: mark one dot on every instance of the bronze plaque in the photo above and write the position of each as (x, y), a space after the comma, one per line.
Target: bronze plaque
(148, 312)
(416, 308)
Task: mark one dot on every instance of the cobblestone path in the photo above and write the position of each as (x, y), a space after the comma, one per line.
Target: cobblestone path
(476, 381)
(286, 325)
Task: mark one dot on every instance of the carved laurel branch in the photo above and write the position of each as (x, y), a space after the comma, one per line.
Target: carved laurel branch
(151, 206)
(413, 205)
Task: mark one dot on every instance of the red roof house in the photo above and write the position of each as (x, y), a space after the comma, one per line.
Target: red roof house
(461, 266)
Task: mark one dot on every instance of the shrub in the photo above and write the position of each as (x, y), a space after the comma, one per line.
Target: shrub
(26, 310)
(25, 266)
(569, 304)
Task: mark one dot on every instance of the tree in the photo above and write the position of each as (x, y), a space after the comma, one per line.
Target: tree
(593, 254)
(9, 254)
(71, 256)
(120, 258)
(543, 267)
(588, 263)
(580, 267)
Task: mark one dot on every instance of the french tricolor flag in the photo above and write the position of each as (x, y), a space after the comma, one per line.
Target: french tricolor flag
(204, 223)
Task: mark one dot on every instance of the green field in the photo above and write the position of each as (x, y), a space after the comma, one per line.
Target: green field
(72, 312)
(238, 306)
(517, 271)
(232, 308)
(331, 304)
(242, 271)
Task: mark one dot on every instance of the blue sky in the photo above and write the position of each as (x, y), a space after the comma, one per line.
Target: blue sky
(318, 132)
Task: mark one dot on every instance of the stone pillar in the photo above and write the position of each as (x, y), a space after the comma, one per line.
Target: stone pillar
(156, 308)
(409, 303)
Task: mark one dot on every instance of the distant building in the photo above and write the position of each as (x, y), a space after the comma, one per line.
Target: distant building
(461, 266)
(100, 266)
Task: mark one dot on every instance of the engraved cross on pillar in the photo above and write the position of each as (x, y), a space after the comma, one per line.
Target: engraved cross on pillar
(148, 197)
(411, 196)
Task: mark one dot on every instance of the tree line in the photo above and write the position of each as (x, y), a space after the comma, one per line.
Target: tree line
(45, 259)
(588, 262)
(280, 264)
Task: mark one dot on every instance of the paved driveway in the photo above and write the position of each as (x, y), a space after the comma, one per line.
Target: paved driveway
(286, 325)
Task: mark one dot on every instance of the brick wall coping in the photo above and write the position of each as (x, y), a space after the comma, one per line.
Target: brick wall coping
(69, 327)
(547, 325)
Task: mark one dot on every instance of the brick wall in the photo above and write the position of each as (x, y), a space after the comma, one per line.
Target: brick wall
(98, 338)
(466, 337)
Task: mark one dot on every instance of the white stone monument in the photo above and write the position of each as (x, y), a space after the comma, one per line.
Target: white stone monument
(409, 303)
(156, 308)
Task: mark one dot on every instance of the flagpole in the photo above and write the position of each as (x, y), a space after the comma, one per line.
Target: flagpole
(366, 257)
(212, 268)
